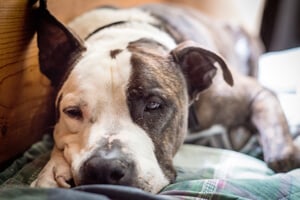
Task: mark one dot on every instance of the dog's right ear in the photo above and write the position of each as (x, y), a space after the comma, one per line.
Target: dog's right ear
(58, 47)
(198, 66)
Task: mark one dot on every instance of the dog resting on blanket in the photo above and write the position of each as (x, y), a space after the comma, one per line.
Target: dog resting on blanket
(125, 80)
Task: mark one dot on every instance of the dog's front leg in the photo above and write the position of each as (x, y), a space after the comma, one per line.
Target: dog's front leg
(280, 153)
(56, 172)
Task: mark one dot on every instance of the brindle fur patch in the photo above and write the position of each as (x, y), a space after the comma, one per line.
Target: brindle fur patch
(115, 52)
(153, 69)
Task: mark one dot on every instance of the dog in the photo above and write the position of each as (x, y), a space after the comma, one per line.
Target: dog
(125, 80)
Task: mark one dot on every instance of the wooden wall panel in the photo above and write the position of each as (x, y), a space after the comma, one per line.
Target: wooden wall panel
(24, 91)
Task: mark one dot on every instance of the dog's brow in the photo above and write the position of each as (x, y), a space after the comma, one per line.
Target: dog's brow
(139, 92)
(157, 91)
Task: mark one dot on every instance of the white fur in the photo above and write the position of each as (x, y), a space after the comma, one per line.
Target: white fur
(137, 27)
(98, 84)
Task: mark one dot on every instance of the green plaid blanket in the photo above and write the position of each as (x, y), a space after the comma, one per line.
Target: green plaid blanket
(203, 173)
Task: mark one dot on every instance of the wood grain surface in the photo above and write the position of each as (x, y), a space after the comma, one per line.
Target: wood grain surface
(24, 92)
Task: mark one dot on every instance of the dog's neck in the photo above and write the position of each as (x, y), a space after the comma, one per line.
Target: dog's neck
(131, 31)
(104, 27)
(128, 25)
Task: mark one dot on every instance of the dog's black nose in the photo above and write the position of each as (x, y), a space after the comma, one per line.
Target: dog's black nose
(108, 168)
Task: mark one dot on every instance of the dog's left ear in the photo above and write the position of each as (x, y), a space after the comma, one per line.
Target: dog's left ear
(58, 47)
(198, 66)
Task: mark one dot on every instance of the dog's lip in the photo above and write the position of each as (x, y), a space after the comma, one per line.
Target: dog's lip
(71, 182)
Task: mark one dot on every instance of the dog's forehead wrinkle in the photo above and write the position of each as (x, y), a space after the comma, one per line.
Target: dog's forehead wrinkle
(112, 80)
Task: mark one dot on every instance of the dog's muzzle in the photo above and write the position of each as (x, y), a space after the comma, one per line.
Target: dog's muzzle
(108, 167)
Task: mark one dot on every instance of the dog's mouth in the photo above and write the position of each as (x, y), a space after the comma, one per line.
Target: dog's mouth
(113, 166)
(71, 183)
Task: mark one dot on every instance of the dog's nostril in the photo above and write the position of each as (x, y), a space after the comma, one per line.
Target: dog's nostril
(99, 170)
(116, 175)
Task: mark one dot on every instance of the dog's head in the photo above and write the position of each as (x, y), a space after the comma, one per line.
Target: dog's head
(122, 109)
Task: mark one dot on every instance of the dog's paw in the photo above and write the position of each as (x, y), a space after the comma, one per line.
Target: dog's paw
(287, 159)
(52, 176)
(62, 175)
(46, 178)
(56, 173)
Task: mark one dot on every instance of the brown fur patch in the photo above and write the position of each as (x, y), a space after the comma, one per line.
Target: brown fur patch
(155, 74)
(115, 52)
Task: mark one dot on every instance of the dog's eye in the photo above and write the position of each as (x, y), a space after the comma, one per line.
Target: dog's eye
(153, 103)
(73, 112)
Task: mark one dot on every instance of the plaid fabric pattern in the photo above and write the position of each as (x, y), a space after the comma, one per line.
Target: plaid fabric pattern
(279, 186)
(203, 173)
